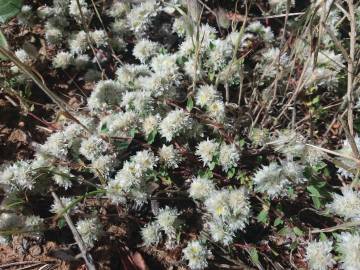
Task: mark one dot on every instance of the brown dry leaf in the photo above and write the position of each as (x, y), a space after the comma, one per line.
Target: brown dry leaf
(17, 135)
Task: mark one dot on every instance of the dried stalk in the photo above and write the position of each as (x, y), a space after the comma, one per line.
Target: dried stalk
(79, 241)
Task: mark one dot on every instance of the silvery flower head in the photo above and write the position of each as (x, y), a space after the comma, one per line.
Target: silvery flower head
(58, 207)
(220, 54)
(318, 255)
(269, 180)
(62, 177)
(63, 60)
(229, 156)
(106, 94)
(119, 124)
(93, 147)
(167, 220)
(169, 156)
(346, 205)
(201, 188)
(151, 234)
(220, 232)
(79, 10)
(207, 150)
(128, 73)
(145, 49)
(144, 160)
(118, 9)
(99, 37)
(205, 95)
(150, 123)
(56, 145)
(90, 230)
(264, 32)
(349, 249)
(18, 176)
(78, 43)
(196, 254)
(175, 122)
(140, 16)
(165, 64)
(217, 204)
(138, 101)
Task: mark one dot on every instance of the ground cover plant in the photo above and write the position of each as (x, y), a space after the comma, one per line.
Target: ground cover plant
(180, 134)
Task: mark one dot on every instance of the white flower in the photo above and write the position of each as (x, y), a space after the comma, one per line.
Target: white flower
(99, 37)
(261, 30)
(56, 145)
(150, 124)
(62, 60)
(201, 188)
(115, 192)
(62, 177)
(349, 248)
(144, 160)
(75, 12)
(167, 218)
(318, 255)
(269, 180)
(217, 204)
(145, 49)
(140, 16)
(58, 208)
(165, 64)
(196, 254)
(169, 156)
(229, 156)
(346, 205)
(18, 176)
(53, 35)
(93, 147)
(220, 232)
(193, 70)
(216, 110)
(179, 26)
(138, 101)
(207, 150)
(33, 222)
(79, 42)
(174, 123)
(118, 9)
(151, 234)
(105, 94)
(119, 124)
(90, 230)
(220, 54)
(22, 55)
(119, 26)
(128, 73)
(104, 164)
(206, 95)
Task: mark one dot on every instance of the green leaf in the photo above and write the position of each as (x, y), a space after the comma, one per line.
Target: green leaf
(254, 256)
(278, 222)
(263, 216)
(9, 8)
(151, 136)
(190, 104)
(122, 145)
(4, 44)
(231, 172)
(323, 236)
(61, 223)
(313, 191)
(298, 232)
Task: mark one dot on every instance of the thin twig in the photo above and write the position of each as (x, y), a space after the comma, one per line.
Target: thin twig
(79, 241)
